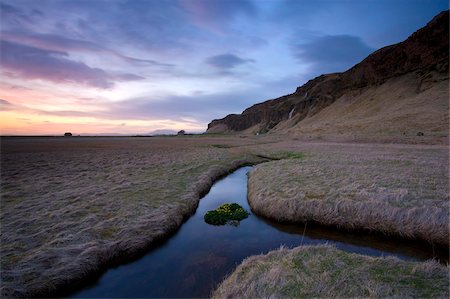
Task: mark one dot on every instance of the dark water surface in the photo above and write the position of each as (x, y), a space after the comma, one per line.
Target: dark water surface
(198, 257)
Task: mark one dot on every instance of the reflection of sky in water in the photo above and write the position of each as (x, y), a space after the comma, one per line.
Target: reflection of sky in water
(199, 255)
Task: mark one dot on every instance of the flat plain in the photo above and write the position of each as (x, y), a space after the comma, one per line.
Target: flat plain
(71, 207)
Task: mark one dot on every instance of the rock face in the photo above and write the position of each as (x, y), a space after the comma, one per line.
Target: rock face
(424, 53)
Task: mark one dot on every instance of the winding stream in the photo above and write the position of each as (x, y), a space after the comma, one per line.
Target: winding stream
(198, 257)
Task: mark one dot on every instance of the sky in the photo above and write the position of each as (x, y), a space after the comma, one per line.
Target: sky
(131, 67)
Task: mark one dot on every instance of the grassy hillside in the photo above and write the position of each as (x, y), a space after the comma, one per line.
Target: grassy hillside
(397, 111)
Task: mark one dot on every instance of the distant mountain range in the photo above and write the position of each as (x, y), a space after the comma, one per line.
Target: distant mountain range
(397, 91)
(162, 132)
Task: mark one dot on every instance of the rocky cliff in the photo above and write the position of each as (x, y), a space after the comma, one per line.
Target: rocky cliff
(425, 54)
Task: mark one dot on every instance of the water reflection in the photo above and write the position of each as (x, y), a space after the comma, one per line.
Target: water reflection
(193, 261)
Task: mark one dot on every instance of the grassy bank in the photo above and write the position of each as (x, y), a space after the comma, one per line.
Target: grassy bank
(325, 272)
(71, 207)
(394, 190)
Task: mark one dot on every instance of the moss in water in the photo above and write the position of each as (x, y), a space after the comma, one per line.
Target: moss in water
(226, 213)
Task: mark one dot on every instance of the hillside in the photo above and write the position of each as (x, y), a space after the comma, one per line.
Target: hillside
(399, 92)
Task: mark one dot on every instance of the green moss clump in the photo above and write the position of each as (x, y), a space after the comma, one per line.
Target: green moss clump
(226, 213)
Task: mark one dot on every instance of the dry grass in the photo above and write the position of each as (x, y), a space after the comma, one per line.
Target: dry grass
(325, 272)
(69, 207)
(72, 206)
(398, 190)
(392, 112)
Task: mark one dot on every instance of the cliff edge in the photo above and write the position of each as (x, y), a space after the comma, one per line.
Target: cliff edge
(413, 72)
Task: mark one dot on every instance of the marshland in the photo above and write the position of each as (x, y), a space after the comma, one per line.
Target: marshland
(224, 149)
(71, 208)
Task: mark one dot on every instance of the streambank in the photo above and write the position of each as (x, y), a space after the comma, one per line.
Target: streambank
(90, 258)
(373, 196)
(326, 272)
(98, 256)
(198, 256)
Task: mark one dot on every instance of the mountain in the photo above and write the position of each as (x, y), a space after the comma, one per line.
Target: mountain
(162, 132)
(399, 90)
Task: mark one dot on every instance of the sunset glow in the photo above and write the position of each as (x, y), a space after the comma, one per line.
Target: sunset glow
(133, 67)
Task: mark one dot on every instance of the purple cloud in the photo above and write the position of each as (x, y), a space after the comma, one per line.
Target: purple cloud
(200, 107)
(226, 61)
(7, 10)
(13, 15)
(217, 13)
(332, 53)
(54, 42)
(5, 105)
(35, 63)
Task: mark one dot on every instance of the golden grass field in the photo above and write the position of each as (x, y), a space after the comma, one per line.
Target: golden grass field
(326, 272)
(71, 207)
(398, 190)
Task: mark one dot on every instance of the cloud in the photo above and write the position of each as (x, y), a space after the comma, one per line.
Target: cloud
(116, 25)
(332, 53)
(98, 43)
(196, 108)
(226, 61)
(138, 32)
(201, 108)
(10, 14)
(216, 14)
(7, 10)
(35, 63)
(5, 105)
(54, 42)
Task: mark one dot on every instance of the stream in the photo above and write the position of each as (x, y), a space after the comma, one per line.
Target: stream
(199, 256)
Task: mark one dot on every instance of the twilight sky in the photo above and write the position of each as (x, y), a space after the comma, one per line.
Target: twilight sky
(135, 66)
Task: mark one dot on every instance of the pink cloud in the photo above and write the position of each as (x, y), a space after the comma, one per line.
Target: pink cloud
(51, 65)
